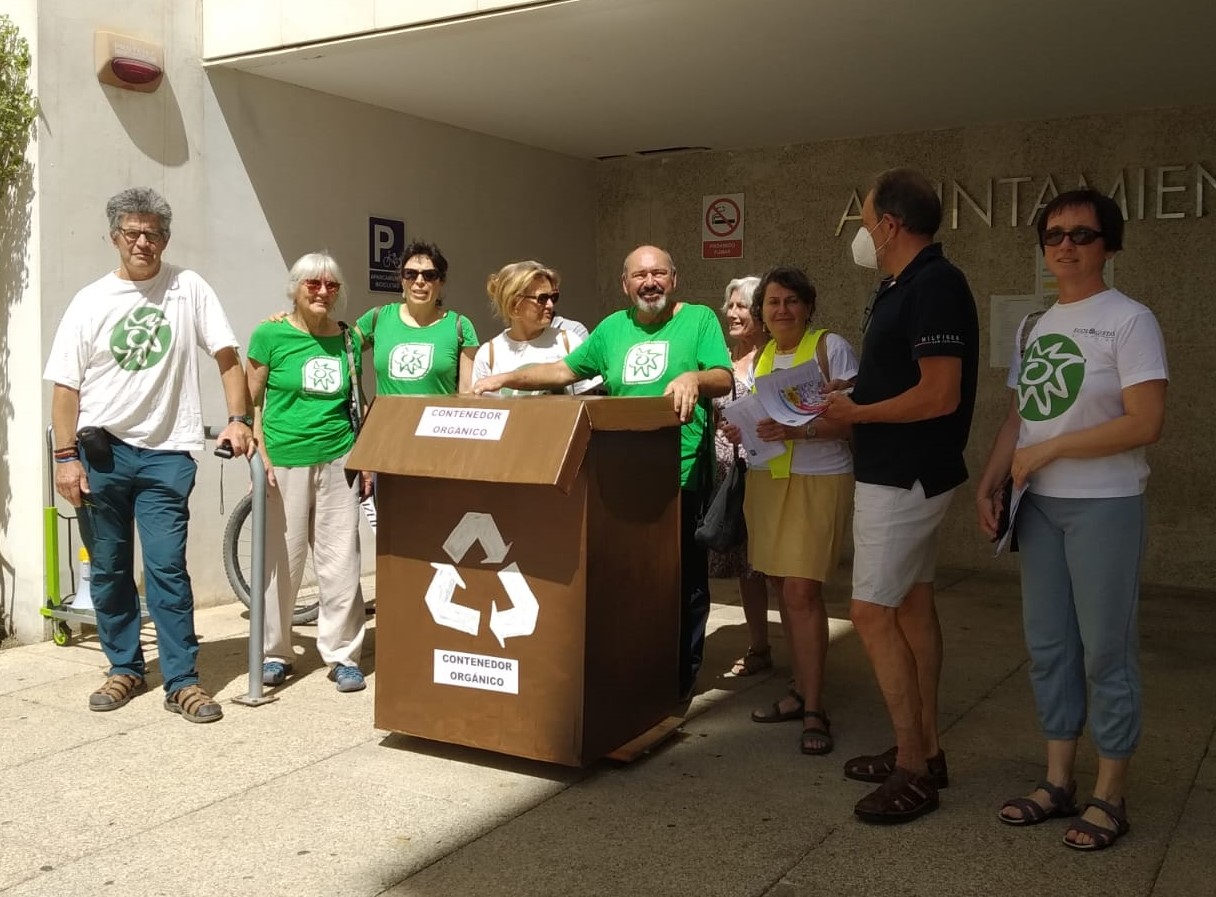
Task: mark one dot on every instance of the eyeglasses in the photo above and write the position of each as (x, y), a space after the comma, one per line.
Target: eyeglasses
(313, 285)
(1080, 236)
(543, 299)
(152, 236)
(430, 275)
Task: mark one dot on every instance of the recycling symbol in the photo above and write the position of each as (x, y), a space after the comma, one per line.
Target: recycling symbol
(518, 620)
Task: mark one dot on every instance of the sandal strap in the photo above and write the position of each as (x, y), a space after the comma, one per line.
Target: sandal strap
(1032, 811)
(1062, 799)
(119, 685)
(191, 699)
(1118, 815)
(819, 715)
(877, 764)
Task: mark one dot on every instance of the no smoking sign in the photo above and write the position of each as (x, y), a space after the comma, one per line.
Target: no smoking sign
(722, 226)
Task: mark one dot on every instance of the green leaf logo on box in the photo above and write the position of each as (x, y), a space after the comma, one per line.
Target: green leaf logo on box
(141, 339)
(1051, 377)
(645, 363)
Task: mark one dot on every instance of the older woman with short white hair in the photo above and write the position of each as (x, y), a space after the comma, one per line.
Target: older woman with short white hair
(745, 337)
(300, 379)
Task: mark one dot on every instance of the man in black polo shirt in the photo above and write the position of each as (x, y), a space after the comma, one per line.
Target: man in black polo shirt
(911, 409)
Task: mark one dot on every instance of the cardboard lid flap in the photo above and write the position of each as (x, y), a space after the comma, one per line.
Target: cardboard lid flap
(535, 440)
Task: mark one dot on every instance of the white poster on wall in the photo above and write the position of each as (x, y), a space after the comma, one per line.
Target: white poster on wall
(1004, 316)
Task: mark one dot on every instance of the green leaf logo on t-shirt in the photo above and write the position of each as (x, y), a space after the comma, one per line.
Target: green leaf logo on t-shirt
(1053, 370)
(410, 361)
(645, 363)
(141, 339)
(321, 374)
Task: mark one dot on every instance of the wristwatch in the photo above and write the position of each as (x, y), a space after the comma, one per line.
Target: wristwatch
(810, 430)
(241, 419)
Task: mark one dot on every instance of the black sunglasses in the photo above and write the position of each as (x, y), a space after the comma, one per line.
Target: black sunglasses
(1080, 236)
(430, 275)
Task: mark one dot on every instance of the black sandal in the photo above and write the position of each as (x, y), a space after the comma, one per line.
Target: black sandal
(1063, 804)
(904, 796)
(1102, 836)
(776, 715)
(817, 740)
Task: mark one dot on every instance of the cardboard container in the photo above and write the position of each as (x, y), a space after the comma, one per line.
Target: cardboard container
(528, 570)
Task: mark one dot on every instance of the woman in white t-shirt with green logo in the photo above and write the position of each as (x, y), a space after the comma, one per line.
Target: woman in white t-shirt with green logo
(299, 378)
(1089, 396)
(523, 296)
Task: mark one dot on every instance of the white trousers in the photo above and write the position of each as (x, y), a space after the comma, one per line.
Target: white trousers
(314, 506)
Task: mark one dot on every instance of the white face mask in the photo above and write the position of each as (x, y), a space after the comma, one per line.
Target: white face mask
(865, 253)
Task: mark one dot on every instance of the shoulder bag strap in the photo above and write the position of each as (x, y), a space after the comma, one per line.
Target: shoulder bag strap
(355, 395)
(1027, 326)
(821, 355)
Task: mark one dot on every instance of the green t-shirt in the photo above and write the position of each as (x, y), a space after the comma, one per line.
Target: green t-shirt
(305, 413)
(416, 361)
(641, 359)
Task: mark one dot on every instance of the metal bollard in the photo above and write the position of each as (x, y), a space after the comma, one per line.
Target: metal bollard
(257, 587)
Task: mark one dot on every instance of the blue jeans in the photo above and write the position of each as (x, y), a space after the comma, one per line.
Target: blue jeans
(150, 489)
(1080, 596)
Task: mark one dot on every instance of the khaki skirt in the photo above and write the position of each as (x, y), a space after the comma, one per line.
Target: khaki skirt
(796, 526)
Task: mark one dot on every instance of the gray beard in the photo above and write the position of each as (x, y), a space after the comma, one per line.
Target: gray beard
(653, 306)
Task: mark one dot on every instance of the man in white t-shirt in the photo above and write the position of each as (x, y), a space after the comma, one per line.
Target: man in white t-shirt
(126, 414)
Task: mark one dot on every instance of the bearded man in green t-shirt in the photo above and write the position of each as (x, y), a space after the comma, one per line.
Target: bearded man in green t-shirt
(657, 347)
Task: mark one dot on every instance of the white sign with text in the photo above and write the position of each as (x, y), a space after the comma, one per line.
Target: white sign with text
(477, 671)
(462, 423)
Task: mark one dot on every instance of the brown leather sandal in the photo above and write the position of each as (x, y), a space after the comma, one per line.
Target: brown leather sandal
(117, 690)
(194, 704)
(878, 768)
(904, 796)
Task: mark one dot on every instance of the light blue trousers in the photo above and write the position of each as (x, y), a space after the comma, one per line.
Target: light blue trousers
(1081, 561)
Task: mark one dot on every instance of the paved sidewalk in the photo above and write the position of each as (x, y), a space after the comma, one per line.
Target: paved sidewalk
(303, 797)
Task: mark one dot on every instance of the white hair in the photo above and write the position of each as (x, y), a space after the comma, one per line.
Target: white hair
(745, 285)
(312, 266)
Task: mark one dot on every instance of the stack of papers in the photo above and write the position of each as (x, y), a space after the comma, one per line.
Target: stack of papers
(792, 397)
(1005, 534)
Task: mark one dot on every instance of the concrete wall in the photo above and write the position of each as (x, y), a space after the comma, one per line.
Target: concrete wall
(258, 173)
(795, 198)
(21, 473)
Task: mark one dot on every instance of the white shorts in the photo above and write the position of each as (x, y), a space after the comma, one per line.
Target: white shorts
(894, 540)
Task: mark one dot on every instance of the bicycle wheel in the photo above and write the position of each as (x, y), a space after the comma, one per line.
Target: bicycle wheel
(238, 561)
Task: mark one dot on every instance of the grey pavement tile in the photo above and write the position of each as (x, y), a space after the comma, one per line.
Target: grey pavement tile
(142, 777)
(1189, 869)
(355, 823)
(21, 861)
(30, 731)
(28, 667)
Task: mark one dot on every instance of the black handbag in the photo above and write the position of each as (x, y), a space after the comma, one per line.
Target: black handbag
(722, 526)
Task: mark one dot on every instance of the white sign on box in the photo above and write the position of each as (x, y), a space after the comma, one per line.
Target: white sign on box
(462, 423)
(477, 671)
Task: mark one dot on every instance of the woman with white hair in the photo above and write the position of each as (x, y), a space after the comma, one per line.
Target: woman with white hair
(300, 379)
(745, 337)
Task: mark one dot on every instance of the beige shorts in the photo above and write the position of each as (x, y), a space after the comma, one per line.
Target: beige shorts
(894, 540)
